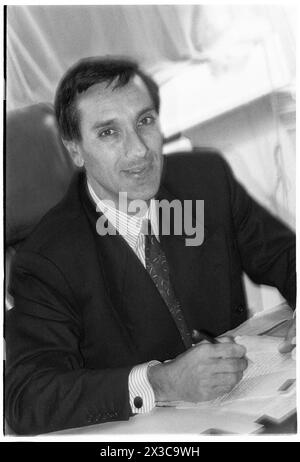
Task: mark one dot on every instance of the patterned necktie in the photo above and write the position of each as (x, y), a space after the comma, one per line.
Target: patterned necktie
(158, 268)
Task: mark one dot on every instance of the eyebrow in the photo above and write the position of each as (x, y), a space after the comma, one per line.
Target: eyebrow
(108, 122)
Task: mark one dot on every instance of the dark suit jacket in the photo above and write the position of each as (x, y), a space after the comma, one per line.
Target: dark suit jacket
(86, 310)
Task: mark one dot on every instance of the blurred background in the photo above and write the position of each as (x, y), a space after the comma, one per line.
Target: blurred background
(226, 77)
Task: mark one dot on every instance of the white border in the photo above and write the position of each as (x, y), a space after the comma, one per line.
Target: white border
(151, 438)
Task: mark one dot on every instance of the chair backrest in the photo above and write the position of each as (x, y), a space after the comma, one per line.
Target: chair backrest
(38, 169)
(38, 172)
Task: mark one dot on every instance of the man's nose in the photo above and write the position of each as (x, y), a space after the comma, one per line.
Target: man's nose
(135, 145)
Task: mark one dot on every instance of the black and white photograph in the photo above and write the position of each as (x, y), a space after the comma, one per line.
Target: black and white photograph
(149, 250)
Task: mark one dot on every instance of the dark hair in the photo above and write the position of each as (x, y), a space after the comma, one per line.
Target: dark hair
(88, 72)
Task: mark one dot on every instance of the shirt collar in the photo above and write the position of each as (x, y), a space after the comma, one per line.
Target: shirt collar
(126, 224)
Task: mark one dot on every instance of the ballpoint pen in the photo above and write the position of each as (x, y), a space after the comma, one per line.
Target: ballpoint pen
(204, 335)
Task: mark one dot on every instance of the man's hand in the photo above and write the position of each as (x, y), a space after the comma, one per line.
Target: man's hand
(289, 342)
(204, 372)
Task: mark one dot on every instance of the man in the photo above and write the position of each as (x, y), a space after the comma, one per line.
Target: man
(106, 325)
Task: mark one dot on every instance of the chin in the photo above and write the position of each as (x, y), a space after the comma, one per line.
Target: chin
(145, 193)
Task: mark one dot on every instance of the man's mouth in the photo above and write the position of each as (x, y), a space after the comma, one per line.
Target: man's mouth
(138, 170)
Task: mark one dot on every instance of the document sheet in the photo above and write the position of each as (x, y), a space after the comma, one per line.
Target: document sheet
(268, 387)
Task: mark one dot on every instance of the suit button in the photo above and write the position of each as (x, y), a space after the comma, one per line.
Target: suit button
(138, 402)
(240, 309)
(196, 336)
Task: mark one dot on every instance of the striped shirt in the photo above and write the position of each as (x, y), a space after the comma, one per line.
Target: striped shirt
(131, 229)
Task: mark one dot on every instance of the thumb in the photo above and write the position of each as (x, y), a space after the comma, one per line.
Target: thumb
(290, 340)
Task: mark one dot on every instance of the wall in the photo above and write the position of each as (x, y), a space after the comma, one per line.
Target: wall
(260, 148)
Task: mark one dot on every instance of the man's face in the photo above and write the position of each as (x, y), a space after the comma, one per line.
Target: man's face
(121, 142)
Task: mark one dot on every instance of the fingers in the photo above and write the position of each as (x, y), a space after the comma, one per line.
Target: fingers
(287, 345)
(290, 340)
(225, 383)
(219, 384)
(226, 349)
(292, 331)
(231, 366)
(224, 388)
(228, 373)
(229, 380)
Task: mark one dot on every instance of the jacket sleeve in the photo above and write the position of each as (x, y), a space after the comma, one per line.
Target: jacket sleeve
(48, 387)
(267, 247)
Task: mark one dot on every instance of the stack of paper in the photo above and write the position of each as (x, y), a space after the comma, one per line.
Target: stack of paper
(264, 321)
(268, 371)
(268, 388)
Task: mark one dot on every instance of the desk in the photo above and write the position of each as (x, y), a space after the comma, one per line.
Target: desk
(289, 426)
(172, 421)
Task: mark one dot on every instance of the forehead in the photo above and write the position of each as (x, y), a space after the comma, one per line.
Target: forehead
(106, 100)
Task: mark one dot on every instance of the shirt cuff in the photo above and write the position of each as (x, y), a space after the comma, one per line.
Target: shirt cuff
(141, 394)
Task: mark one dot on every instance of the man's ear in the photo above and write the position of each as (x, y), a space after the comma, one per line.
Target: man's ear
(74, 151)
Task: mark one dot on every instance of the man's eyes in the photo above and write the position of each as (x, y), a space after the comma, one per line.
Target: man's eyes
(106, 133)
(147, 120)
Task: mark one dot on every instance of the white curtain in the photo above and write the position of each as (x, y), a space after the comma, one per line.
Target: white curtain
(43, 41)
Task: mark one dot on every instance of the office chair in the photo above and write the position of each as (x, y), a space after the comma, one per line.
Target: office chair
(37, 170)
